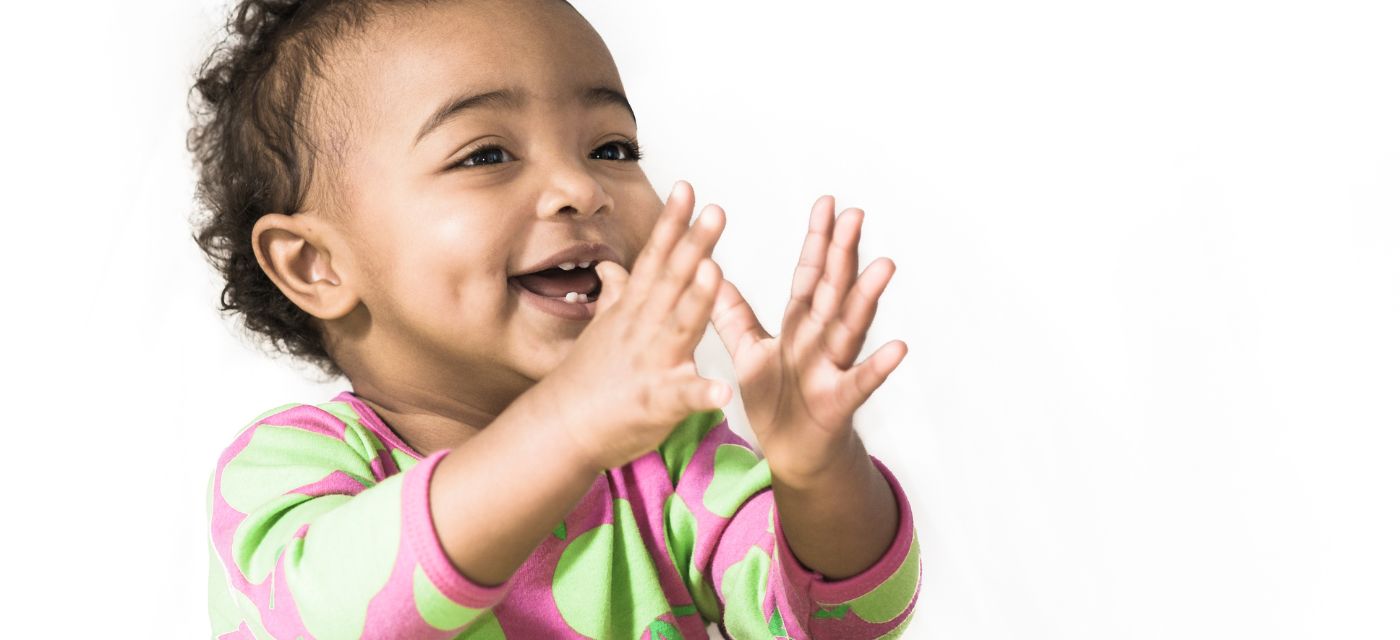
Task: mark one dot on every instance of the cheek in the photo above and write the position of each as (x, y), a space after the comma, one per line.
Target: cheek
(641, 219)
(446, 266)
(448, 239)
(455, 249)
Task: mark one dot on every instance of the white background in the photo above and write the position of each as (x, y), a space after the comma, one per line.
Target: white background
(1147, 272)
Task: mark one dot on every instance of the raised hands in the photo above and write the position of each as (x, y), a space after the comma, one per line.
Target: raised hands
(631, 375)
(801, 388)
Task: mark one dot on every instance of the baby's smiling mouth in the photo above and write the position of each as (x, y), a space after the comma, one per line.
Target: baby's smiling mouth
(567, 275)
(568, 282)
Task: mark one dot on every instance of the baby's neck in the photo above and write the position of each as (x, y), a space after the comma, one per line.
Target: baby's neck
(425, 422)
(429, 403)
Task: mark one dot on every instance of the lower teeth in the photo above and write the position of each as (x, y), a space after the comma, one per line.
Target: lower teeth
(577, 298)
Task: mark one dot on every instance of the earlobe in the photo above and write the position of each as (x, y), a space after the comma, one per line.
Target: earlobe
(295, 256)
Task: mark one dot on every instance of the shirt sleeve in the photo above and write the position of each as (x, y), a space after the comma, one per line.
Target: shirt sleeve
(317, 534)
(723, 533)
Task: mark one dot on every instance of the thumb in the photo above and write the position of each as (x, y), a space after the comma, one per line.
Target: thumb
(614, 279)
(703, 394)
(860, 381)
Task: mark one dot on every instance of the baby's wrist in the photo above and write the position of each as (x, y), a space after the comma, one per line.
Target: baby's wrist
(562, 429)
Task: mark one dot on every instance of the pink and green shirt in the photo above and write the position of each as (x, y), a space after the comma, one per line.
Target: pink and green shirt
(320, 528)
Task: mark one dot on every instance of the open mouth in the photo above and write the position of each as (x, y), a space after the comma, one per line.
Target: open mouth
(576, 285)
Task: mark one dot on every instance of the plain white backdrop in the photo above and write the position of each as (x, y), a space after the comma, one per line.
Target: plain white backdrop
(1148, 272)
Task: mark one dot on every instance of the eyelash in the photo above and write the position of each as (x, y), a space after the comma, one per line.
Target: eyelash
(630, 145)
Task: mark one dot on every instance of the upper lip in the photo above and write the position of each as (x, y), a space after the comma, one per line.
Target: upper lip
(583, 252)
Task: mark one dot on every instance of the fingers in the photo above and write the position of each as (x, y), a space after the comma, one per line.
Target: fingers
(692, 312)
(614, 279)
(734, 319)
(679, 394)
(702, 394)
(679, 269)
(840, 268)
(809, 263)
(845, 335)
(675, 218)
(863, 379)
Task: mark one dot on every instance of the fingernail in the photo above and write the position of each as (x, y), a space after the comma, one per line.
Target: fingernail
(676, 189)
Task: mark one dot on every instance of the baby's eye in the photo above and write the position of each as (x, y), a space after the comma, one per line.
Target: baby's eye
(490, 154)
(619, 150)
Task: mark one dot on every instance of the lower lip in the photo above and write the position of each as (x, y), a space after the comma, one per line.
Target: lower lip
(554, 306)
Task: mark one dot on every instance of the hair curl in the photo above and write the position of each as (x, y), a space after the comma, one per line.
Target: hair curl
(255, 150)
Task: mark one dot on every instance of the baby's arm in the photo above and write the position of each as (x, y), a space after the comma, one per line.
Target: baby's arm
(841, 520)
(497, 495)
(724, 532)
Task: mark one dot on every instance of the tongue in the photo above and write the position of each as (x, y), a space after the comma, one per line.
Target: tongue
(555, 283)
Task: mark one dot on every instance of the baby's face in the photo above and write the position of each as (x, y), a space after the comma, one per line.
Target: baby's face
(439, 226)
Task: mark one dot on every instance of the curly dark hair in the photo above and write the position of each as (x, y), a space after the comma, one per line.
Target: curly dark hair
(255, 150)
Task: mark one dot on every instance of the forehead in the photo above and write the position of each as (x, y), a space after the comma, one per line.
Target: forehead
(408, 62)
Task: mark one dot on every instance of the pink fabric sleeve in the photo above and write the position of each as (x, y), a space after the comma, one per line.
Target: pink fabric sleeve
(874, 603)
(740, 558)
(318, 534)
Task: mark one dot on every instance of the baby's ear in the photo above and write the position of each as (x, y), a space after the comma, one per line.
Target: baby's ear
(293, 252)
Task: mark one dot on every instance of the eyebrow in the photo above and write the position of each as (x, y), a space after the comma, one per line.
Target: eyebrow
(515, 99)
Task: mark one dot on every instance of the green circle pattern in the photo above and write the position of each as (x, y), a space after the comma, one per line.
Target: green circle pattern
(630, 596)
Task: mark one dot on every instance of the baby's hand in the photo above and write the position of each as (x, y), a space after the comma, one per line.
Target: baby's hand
(631, 375)
(801, 389)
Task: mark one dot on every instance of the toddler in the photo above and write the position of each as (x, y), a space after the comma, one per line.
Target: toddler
(442, 202)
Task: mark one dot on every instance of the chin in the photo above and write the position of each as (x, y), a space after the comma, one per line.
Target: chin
(544, 361)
